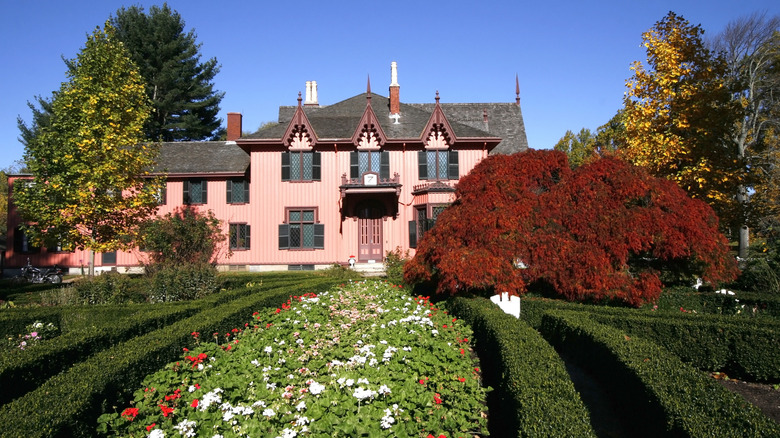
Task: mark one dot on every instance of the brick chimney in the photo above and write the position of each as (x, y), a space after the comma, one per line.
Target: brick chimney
(233, 126)
(395, 90)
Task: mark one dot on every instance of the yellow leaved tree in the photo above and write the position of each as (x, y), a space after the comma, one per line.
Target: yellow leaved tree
(91, 186)
(678, 114)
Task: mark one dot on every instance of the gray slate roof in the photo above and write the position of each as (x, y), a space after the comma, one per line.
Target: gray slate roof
(202, 157)
(339, 121)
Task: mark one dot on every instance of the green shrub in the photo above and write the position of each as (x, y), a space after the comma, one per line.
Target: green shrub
(107, 288)
(394, 265)
(535, 396)
(657, 390)
(182, 282)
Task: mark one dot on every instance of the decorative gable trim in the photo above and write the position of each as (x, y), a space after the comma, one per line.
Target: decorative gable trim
(369, 133)
(438, 133)
(299, 134)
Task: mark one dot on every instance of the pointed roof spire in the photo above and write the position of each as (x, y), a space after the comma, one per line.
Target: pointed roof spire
(368, 88)
(517, 90)
(437, 97)
(299, 98)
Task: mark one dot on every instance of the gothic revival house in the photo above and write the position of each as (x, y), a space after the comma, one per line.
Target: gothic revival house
(357, 178)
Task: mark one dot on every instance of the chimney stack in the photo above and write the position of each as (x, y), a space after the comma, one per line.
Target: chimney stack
(311, 94)
(395, 90)
(234, 126)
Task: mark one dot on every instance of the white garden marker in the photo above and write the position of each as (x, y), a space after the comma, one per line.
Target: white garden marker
(508, 303)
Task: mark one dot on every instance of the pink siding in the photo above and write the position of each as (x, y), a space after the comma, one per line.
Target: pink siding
(269, 196)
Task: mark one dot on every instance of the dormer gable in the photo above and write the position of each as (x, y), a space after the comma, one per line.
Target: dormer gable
(369, 134)
(299, 134)
(438, 133)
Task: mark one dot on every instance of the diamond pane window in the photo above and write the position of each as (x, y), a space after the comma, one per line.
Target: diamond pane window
(239, 236)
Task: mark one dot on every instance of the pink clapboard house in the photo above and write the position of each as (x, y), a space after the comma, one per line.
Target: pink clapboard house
(357, 178)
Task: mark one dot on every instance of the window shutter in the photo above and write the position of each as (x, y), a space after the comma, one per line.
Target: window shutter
(284, 236)
(316, 172)
(229, 185)
(285, 166)
(453, 171)
(412, 234)
(164, 193)
(204, 198)
(354, 170)
(422, 164)
(246, 191)
(384, 167)
(247, 246)
(186, 198)
(319, 236)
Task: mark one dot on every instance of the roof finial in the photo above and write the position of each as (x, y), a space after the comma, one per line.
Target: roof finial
(299, 98)
(517, 90)
(368, 88)
(437, 96)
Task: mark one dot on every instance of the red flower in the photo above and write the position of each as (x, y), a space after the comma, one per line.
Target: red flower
(462, 351)
(194, 403)
(437, 398)
(461, 379)
(130, 413)
(422, 382)
(278, 310)
(149, 427)
(165, 410)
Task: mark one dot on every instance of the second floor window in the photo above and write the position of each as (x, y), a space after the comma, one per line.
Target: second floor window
(369, 161)
(301, 166)
(237, 191)
(195, 191)
(438, 164)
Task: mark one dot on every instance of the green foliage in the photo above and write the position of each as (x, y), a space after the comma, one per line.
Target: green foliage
(177, 82)
(90, 187)
(578, 147)
(537, 396)
(340, 272)
(666, 396)
(114, 372)
(185, 236)
(762, 268)
(107, 288)
(187, 281)
(394, 265)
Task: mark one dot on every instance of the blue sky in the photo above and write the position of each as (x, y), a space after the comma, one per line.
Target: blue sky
(572, 57)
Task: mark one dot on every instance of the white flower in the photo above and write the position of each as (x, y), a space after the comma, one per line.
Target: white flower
(192, 389)
(301, 406)
(316, 388)
(209, 398)
(269, 412)
(434, 332)
(200, 367)
(259, 404)
(384, 390)
(302, 421)
(350, 382)
(288, 433)
(156, 433)
(363, 380)
(255, 363)
(268, 349)
(362, 394)
(186, 428)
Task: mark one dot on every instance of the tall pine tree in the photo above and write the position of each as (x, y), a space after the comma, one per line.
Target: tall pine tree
(177, 82)
(90, 184)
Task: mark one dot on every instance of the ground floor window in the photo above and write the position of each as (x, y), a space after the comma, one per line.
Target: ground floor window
(22, 242)
(238, 236)
(301, 230)
(425, 217)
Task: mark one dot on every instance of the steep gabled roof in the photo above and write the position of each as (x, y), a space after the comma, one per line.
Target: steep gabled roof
(338, 122)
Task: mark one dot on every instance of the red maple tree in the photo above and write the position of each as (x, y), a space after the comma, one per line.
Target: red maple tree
(603, 231)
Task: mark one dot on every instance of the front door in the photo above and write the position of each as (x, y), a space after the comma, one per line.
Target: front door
(370, 232)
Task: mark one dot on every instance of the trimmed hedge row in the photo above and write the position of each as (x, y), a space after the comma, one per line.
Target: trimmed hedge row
(22, 371)
(708, 342)
(741, 348)
(69, 403)
(664, 395)
(536, 397)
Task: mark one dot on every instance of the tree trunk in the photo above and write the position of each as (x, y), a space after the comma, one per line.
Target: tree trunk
(91, 262)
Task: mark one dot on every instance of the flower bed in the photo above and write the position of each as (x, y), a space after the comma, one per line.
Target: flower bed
(363, 359)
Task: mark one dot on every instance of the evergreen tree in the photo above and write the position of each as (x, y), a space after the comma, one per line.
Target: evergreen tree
(177, 82)
(90, 184)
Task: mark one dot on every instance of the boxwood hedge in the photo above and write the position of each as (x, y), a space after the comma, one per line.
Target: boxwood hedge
(660, 392)
(535, 396)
